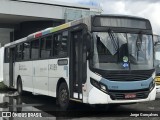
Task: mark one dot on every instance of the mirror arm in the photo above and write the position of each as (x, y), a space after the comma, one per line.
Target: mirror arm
(90, 54)
(89, 45)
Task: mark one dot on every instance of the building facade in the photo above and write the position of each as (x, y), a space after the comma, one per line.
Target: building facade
(19, 18)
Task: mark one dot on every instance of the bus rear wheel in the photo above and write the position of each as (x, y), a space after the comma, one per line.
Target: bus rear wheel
(63, 96)
(19, 86)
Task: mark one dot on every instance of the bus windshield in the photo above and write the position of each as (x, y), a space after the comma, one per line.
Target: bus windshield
(122, 51)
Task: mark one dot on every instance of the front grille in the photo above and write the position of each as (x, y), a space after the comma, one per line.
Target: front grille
(128, 76)
(117, 96)
(121, 96)
(124, 75)
(142, 95)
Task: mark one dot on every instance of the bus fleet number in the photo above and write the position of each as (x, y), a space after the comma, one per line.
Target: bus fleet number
(53, 67)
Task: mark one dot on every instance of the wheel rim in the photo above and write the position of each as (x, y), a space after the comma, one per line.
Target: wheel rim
(63, 96)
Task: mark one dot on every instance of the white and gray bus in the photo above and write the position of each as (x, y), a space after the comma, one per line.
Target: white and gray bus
(157, 60)
(101, 59)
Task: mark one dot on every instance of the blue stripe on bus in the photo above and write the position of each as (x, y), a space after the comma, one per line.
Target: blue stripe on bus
(130, 85)
(46, 32)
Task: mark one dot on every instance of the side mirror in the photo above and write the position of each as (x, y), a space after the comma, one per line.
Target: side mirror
(88, 42)
(157, 59)
(156, 63)
(157, 56)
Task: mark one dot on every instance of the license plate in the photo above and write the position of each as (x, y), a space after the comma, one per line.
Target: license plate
(130, 96)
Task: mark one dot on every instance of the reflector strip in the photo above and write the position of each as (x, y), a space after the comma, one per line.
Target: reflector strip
(30, 37)
(38, 34)
(60, 27)
(46, 32)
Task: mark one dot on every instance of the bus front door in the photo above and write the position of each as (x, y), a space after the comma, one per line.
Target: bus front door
(76, 66)
(11, 66)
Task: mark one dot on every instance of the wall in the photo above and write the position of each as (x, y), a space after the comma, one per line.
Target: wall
(26, 28)
(5, 36)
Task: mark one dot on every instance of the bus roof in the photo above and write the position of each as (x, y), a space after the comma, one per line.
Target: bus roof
(15, 42)
(67, 25)
(123, 16)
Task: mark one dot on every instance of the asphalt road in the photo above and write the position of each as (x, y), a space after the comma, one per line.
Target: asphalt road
(9, 101)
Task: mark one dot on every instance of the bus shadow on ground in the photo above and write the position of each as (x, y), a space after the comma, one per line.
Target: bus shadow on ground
(12, 101)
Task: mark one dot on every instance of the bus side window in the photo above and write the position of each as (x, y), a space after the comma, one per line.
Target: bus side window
(60, 44)
(35, 49)
(19, 50)
(26, 51)
(42, 48)
(64, 43)
(57, 44)
(46, 47)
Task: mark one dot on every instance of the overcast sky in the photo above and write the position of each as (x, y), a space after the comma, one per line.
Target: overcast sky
(149, 9)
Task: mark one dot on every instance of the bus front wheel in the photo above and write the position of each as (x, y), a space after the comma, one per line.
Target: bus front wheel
(63, 96)
(19, 86)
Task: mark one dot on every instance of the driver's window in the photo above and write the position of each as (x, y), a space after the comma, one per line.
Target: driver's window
(106, 51)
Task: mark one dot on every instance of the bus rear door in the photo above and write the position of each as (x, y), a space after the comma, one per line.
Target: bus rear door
(11, 66)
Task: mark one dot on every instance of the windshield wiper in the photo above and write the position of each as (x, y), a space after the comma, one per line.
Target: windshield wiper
(113, 39)
(139, 43)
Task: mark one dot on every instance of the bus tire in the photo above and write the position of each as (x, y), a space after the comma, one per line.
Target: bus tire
(19, 102)
(63, 96)
(19, 86)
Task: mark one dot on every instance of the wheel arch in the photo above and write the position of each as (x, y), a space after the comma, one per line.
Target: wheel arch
(18, 78)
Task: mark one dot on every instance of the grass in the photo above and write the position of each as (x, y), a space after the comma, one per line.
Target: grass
(3, 86)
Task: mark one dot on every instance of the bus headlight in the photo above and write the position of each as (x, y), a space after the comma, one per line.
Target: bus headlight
(98, 85)
(103, 87)
(152, 84)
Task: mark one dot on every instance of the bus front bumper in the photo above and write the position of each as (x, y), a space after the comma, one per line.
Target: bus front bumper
(157, 80)
(158, 88)
(98, 97)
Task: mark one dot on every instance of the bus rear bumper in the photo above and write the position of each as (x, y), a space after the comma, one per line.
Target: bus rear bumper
(98, 97)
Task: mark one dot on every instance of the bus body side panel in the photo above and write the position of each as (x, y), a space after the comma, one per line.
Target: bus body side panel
(40, 76)
(1, 63)
(57, 69)
(87, 86)
(6, 74)
(24, 70)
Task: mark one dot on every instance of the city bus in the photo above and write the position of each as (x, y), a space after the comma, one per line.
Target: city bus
(100, 59)
(157, 60)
